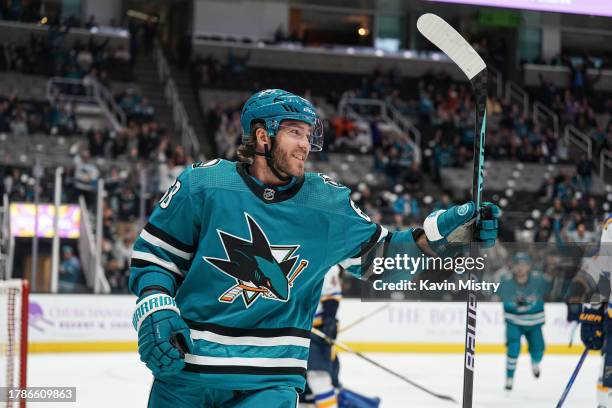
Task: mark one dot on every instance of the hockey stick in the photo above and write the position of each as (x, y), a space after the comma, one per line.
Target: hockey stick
(345, 347)
(573, 333)
(447, 39)
(362, 318)
(568, 387)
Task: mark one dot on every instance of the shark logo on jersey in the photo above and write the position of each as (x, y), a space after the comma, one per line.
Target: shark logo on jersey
(260, 269)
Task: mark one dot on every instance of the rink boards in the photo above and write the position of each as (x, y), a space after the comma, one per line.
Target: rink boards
(83, 323)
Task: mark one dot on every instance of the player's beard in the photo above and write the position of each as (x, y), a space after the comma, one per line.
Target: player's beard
(282, 162)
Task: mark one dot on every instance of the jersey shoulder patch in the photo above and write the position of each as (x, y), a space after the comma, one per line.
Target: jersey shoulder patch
(328, 180)
(206, 164)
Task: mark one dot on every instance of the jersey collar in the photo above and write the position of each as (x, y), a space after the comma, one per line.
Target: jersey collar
(269, 194)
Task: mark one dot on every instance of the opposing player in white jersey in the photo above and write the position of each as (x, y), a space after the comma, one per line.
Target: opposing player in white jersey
(321, 360)
(592, 283)
(323, 388)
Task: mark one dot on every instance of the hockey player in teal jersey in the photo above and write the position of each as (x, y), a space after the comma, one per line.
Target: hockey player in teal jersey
(523, 297)
(229, 268)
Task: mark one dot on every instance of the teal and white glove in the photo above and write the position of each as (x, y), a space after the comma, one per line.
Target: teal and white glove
(163, 336)
(450, 231)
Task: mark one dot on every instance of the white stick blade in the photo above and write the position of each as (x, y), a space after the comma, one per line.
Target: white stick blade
(447, 39)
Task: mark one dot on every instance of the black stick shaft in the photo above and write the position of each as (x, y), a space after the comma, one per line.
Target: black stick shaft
(479, 85)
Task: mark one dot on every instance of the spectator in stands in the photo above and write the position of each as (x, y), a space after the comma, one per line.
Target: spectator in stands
(86, 175)
(119, 262)
(228, 135)
(70, 273)
(547, 190)
(19, 122)
(128, 203)
(544, 230)
(119, 145)
(168, 172)
(444, 202)
(5, 117)
(97, 143)
(393, 168)
(91, 22)
(584, 170)
(579, 234)
(63, 118)
(279, 34)
(15, 184)
(556, 211)
(413, 178)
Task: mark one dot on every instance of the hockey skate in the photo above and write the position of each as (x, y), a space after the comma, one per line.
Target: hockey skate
(509, 383)
(535, 369)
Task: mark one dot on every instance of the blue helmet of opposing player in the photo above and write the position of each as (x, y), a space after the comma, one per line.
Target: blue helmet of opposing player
(272, 106)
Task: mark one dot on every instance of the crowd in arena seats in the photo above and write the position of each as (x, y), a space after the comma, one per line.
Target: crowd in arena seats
(577, 59)
(22, 117)
(443, 110)
(118, 157)
(33, 12)
(580, 107)
(50, 55)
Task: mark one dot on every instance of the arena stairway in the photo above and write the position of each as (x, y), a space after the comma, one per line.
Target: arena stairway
(145, 73)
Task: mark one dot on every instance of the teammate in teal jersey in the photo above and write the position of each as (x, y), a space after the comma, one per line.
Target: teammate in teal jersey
(229, 268)
(523, 297)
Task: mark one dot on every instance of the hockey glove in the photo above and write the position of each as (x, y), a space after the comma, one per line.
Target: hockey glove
(591, 328)
(163, 336)
(450, 231)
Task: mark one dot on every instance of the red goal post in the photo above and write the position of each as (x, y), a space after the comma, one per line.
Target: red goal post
(14, 301)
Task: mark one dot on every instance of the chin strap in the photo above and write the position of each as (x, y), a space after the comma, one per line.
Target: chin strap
(268, 155)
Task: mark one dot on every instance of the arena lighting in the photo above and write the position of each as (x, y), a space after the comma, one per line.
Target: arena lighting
(44, 20)
(362, 31)
(588, 7)
(141, 16)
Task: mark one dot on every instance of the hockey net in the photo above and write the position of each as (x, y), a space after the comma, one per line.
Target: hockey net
(13, 336)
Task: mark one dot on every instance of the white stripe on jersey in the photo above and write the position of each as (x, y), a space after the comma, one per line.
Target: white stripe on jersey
(153, 240)
(250, 340)
(245, 361)
(347, 263)
(525, 319)
(145, 256)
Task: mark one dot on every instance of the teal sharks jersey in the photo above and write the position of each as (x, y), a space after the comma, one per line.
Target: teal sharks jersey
(524, 304)
(246, 263)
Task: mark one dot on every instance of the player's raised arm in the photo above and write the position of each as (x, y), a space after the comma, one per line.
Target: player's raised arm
(359, 240)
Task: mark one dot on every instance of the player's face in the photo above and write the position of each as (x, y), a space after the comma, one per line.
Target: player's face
(292, 147)
(521, 271)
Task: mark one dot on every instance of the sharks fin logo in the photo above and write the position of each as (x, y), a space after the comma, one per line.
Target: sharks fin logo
(260, 269)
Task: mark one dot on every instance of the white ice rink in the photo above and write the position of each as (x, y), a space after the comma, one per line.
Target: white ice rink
(119, 380)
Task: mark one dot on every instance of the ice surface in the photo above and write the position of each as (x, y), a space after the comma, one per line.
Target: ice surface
(120, 380)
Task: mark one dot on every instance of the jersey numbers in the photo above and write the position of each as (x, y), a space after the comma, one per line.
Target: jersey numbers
(165, 200)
